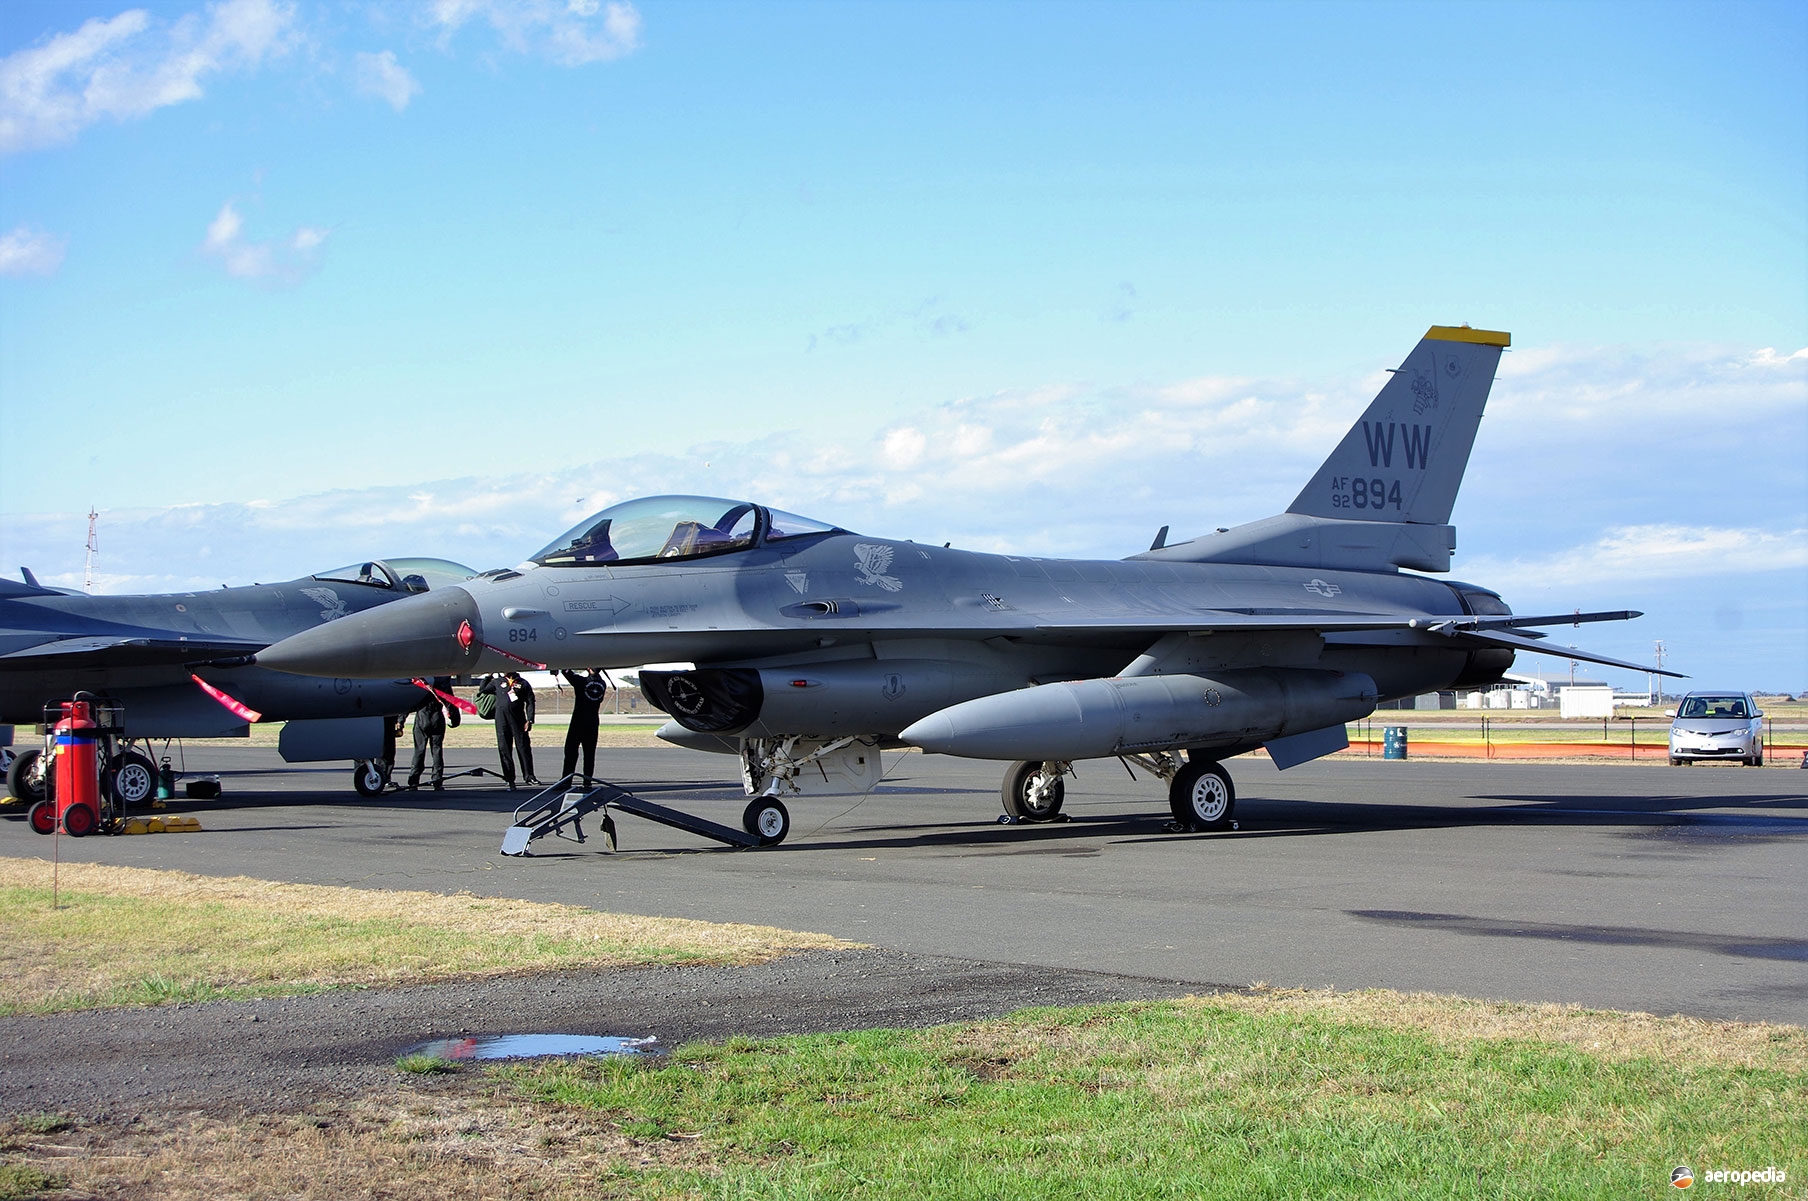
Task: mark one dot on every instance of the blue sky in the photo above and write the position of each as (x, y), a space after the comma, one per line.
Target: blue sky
(284, 285)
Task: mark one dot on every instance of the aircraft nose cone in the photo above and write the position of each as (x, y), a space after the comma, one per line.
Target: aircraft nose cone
(437, 634)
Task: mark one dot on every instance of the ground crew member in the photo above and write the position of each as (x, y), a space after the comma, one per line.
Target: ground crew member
(514, 718)
(430, 722)
(392, 730)
(587, 692)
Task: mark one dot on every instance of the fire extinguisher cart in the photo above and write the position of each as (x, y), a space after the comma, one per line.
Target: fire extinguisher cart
(78, 746)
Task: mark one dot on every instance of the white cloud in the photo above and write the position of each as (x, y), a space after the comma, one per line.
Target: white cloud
(275, 261)
(1579, 385)
(128, 67)
(569, 32)
(381, 76)
(27, 251)
(1644, 553)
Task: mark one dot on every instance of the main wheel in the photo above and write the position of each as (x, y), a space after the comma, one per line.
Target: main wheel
(767, 820)
(368, 777)
(42, 817)
(24, 780)
(134, 779)
(1027, 793)
(79, 821)
(1201, 796)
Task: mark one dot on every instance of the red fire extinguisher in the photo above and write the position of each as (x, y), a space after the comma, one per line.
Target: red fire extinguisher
(74, 744)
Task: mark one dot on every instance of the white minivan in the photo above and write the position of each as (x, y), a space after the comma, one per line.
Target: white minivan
(1717, 725)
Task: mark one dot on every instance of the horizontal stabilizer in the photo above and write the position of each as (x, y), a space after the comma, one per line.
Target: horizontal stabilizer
(1538, 646)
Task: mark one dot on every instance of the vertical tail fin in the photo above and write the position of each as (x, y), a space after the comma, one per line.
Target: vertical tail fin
(1382, 500)
(1404, 460)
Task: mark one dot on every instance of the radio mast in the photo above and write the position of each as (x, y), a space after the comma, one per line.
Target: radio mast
(88, 572)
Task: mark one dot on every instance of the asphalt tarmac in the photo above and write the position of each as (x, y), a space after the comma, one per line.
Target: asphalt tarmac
(1668, 890)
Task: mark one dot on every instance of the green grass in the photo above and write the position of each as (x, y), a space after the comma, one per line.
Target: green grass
(425, 1065)
(1183, 1100)
(19, 1182)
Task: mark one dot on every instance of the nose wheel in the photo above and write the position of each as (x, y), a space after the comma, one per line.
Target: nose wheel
(369, 776)
(767, 820)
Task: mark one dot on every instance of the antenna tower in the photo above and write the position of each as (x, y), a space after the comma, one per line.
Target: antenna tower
(93, 545)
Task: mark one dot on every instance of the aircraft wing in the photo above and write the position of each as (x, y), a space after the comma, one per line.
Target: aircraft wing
(1329, 622)
(1491, 631)
(116, 650)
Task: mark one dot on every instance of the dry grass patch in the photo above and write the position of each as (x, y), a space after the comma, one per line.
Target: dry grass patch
(1604, 1033)
(1447, 1021)
(462, 1139)
(131, 935)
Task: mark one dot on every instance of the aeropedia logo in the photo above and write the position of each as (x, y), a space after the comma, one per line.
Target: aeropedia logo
(1685, 1177)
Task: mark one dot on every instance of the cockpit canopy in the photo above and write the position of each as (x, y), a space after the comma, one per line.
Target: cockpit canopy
(673, 527)
(406, 575)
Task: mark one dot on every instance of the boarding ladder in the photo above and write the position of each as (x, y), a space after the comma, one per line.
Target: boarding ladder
(564, 805)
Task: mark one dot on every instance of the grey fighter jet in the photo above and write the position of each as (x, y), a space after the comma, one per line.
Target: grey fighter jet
(812, 647)
(178, 665)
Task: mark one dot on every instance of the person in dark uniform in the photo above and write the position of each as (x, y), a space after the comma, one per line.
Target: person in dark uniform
(430, 722)
(588, 691)
(392, 731)
(514, 718)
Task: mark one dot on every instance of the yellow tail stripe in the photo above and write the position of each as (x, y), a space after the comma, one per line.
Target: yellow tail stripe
(1462, 333)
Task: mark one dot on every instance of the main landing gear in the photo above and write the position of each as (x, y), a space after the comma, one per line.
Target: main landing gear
(1201, 796)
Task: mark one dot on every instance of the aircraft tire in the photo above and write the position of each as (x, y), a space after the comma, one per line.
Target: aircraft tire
(367, 777)
(1202, 797)
(1015, 793)
(42, 817)
(133, 779)
(767, 819)
(79, 821)
(19, 781)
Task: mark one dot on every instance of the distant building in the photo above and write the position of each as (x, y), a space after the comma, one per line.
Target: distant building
(1572, 696)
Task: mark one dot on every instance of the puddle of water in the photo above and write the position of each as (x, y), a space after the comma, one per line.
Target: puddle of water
(533, 1046)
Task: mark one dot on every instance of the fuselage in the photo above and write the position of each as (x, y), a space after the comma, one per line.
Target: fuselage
(931, 625)
(140, 650)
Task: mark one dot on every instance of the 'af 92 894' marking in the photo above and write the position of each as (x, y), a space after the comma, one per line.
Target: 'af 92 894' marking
(1358, 493)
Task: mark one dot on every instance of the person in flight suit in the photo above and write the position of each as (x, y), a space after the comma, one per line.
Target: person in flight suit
(588, 690)
(430, 722)
(514, 718)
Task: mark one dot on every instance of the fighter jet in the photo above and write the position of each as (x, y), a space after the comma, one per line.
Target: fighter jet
(810, 647)
(178, 665)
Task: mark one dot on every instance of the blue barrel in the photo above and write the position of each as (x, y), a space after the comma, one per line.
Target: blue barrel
(1393, 742)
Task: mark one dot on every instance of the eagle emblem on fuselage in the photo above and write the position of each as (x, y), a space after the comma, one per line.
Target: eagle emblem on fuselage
(328, 600)
(873, 560)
